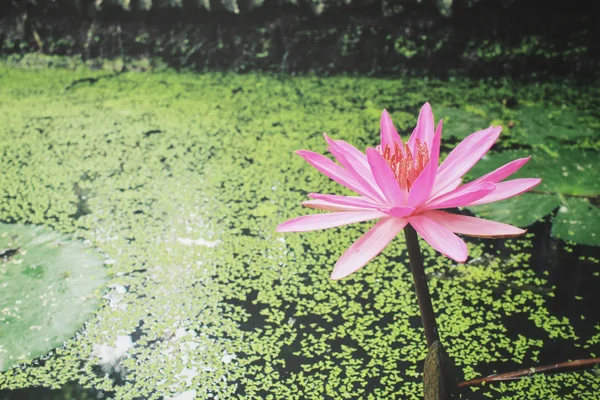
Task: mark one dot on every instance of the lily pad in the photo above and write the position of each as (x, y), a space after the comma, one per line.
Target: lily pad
(569, 172)
(460, 122)
(569, 181)
(520, 211)
(542, 123)
(579, 221)
(50, 287)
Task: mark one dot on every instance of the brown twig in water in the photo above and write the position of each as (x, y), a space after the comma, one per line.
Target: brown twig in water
(577, 364)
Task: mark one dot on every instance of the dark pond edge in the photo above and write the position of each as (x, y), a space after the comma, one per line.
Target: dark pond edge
(527, 39)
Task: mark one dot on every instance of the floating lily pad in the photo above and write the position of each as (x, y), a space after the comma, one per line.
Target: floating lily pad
(569, 180)
(538, 124)
(520, 211)
(461, 122)
(579, 221)
(567, 172)
(50, 287)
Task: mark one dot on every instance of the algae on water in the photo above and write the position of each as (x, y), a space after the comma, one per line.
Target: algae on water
(181, 180)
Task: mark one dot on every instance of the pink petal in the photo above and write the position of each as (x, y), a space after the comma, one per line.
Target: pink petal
(473, 226)
(464, 156)
(464, 195)
(448, 188)
(424, 129)
(507, 189)
(422, 186)
(440, 238)
(327, 206)
(324, 221)
(352, 201)
(363, 175)
(421, 189)
(434, 150)
(384, 177)
(333, 171)
(367, 247)
(388, 133)
(357, 156)
(504, 171)
(398, 212)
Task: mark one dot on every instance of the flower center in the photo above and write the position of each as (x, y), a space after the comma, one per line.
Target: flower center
(405, 165)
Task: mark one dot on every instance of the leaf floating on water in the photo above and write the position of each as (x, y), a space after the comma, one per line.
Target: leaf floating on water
(522, 211)
(578, 221)
(50, 287)
(569, 182)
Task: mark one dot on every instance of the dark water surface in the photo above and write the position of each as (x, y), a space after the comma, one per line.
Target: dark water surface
(566, 267)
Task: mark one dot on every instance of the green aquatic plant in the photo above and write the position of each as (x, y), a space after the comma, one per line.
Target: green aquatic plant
(181, 178)
(569, 185)
(50, 286)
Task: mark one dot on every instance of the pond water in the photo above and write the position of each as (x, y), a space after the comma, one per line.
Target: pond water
(179, 180)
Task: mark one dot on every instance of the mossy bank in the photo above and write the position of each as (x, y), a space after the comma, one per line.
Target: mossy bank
(515, 38)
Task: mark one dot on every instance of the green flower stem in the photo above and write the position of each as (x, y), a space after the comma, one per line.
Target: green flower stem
(418, 272)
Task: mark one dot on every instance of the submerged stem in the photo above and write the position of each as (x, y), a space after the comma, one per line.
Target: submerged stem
(418, 272)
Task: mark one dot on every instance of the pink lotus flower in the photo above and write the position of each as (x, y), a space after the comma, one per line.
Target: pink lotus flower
(401, 183)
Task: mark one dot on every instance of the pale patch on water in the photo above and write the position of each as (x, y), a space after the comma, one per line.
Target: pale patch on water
(181, 332)
(189, 395)
(108, 356)
(188, 375)
(227, 358)
(115, 296)
(198, 242)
